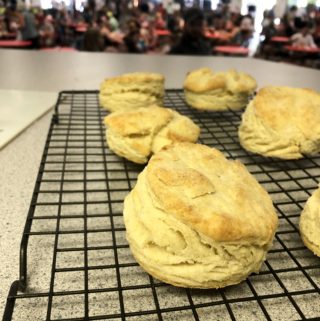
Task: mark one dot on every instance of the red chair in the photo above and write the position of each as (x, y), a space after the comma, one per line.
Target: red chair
(232, 50)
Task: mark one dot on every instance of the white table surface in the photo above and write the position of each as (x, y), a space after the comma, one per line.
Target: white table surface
(19, 109)
(55, 71)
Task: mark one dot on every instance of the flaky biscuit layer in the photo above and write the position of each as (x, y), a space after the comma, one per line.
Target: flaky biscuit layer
(208, 90)
(131, 91)
(195, 219)
(282, 122)
(137, 134)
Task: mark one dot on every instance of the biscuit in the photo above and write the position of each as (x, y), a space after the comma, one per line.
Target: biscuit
(131, 91)
(137, 134)
(310, 223)
(282, 122)
(195, 219)
(218, 91)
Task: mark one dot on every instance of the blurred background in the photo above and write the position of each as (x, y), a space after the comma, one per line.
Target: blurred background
(278, 30)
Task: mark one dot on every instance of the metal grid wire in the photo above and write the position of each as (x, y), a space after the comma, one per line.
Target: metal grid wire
(80, 265)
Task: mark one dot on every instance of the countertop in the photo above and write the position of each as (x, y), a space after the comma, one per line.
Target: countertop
(19, 109)
(56, 71)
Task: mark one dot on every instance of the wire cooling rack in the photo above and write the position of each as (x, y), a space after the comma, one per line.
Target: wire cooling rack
(79, 265)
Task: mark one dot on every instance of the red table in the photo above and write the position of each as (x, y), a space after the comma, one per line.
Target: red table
(280, 39)
(15, 44)
(216, 36)
(305, 50)
(81, 29)
(304, 56)
(162, 32)
(60, 49)
(232, 50)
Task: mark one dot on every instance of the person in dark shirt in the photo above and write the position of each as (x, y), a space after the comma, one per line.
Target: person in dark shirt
(192, 41)
(93, 40)
(132, 38)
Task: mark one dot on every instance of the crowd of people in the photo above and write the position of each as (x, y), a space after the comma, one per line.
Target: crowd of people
(300, 26)
(156, 29)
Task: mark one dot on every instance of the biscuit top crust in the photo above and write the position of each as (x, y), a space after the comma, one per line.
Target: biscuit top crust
(133, 77)
(204, 79)
(211, 194)
(142, 121)
(287, 110)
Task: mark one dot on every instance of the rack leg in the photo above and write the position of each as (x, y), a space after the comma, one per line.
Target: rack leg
(23, 260)
(8, 311)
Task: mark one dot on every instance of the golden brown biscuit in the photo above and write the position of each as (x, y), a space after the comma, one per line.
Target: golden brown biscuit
(282, 122)
(137, 134)
(195, 219)
(310, 223)
(131, 91)
(207, 90)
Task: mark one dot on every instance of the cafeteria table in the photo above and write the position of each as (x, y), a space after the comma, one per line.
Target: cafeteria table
(162, 32)
(81, 29)
(303, 50)
(217, 37)
(15, 44)
(232, 50)
(303, 55)
(280, 39)
(59, 49)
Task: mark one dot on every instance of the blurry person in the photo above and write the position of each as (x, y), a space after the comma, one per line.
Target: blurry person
(176, 23)
(225, 11)
(63, 25)
(268, 18)
(266, 47)
(159, 21)
(244, 35)
(39, 17)
(105, 31)
(132, 41)
(292, 14)
(93, 40)
(88, 14)
(316, 31)
(311, 11)
(13, 20)
(47, 32)
(290, 20)
(143, 13)
(111, 38)
(232, 27)
(113, 22)
(28, 29)
(3, 27)
(144, 8)
(193, 41)
(269, 29)
(303, 38)
(148, 35)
